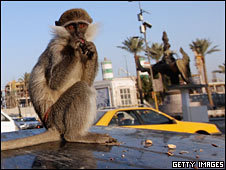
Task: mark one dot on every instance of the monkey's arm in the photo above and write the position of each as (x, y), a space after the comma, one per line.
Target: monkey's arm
(91, 65)
(59, 67)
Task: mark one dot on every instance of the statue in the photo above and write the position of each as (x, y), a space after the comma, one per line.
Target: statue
(169, 65)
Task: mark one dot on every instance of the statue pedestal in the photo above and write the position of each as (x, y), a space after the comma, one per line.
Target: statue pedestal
(181, 99)
(185, 104)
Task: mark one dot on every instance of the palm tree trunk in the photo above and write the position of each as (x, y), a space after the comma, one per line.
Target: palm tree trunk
(18, 106)
(200, 68)
(207, 86)
(26, 104)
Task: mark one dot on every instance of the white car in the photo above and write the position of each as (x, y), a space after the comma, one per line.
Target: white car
(7, 123)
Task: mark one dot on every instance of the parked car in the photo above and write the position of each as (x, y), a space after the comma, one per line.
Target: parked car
(8, 124)
(149, 118)
(28, 123)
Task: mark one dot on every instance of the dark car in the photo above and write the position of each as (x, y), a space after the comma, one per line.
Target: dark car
(28, 123)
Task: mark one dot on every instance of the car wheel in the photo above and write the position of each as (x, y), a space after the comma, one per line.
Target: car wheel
(202, 132)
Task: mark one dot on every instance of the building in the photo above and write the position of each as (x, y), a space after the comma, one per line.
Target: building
(15, 92)
(107, 71)
(217, 87)
(117, 92)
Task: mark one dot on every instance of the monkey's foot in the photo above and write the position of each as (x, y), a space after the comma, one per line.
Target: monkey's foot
(104, 139)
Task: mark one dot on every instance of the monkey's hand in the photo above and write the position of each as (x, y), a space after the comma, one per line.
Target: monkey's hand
(89, 49)
(75, 43)
(91, 63)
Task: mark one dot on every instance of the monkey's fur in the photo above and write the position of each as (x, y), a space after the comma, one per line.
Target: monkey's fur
(60, 86)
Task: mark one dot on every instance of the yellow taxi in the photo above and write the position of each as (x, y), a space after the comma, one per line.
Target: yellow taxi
(149, 118)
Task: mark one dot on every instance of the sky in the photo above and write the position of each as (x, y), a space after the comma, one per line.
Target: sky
(26, 31)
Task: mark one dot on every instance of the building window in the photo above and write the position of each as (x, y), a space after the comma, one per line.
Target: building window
(125, 97)
(220, 88)
(212, 89)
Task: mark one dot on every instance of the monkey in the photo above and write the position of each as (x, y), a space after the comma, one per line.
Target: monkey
(61, 85)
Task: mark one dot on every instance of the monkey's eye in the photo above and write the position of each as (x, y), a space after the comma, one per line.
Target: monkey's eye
(82, 25)
(70, 27)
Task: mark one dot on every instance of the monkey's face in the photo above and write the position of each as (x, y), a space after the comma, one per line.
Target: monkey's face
(77, 29)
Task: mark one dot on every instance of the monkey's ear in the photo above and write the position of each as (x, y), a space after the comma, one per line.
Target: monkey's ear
(60, 31)
(57, 23)
(92, 31)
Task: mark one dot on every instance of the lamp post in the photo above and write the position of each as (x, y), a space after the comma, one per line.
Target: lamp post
(143, 30)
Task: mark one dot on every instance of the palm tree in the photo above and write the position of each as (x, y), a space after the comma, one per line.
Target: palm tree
(200, 47)
(222, 69)
(156, 51)
(25, 80)
(135, 45)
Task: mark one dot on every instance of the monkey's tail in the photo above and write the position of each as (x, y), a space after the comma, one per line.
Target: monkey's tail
(49, 136)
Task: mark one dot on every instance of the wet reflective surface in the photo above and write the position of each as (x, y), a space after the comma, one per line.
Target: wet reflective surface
(132, 153)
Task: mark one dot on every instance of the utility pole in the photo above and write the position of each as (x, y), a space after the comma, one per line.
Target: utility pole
(126, 67)
(143, 30)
